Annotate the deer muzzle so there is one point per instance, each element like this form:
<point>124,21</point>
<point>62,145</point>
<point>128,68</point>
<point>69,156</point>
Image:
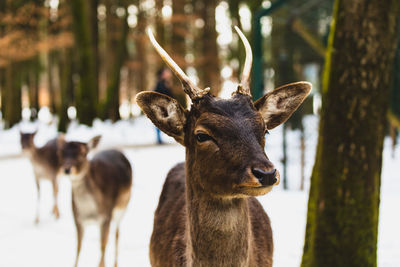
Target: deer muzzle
<point>265,177</point>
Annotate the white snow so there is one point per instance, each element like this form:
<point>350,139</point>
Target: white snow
<point>52,243</point>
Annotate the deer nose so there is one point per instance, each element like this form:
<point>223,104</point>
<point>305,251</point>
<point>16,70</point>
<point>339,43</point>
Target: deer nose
<point>265,177</point>
<point>67,170</point>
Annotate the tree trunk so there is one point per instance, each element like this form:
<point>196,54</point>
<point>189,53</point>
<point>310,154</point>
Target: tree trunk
<point>211,76</point>
<point>178,47</point>
<point>284,157</point>
<point>282,49</point>
<point>33,78</point>
<point>160,29</point>
<point>52,88</point>
<point>12,97</point>
<point>141,48</point>
<point>236,50</point>
<point>302,156</point>
<point>343,208</point>
<point>179,32</point>
<point>2,92</point>
<point>393,135</point>
<point>94,23</point>
<point>66,85</point>
<point>117,32</point>
<point>87,93</point>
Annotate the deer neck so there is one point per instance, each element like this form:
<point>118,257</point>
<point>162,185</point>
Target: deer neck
<point>219,228</point>
<point>79,182</point>
<point>33,153</point>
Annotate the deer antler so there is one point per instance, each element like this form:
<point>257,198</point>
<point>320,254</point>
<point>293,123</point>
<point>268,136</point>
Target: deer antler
<point>189,87</point>
<point>244,86</point>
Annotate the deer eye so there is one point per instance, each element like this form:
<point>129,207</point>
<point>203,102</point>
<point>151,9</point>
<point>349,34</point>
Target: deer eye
<point>202,137</point>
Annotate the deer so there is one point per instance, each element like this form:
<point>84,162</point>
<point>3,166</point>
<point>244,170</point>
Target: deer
<point>207,214</point>
<point>101,188</point>
<point>45,166</point>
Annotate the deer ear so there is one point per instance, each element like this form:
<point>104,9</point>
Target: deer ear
<point>94,142</point>
<point>165,112</point>
<point>277,106</point>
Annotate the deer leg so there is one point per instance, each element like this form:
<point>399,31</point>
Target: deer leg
<point>116,246</point>
<point>38,199</point>
<point>79,235</point>
<point>55,196</point>
<point>105,229</point>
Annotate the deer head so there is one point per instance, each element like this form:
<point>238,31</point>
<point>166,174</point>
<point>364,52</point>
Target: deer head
<point>26,140</point>
<point>73,156</point>
<point>224,138</point>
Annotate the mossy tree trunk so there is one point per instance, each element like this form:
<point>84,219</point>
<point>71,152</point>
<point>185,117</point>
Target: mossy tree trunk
<point>343,208</point>
<point>85,39</point>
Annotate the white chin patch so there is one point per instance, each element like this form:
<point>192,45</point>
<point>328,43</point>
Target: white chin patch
<point>73,176</point>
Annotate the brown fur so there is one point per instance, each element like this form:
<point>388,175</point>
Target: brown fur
<point>45,166</point>
<point>101,188</point>
<point>207,214</point>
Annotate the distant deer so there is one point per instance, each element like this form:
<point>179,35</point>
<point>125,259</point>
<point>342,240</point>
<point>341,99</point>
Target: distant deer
<point>101,188</point>
<point>45,166</point>
<point>207,214</point>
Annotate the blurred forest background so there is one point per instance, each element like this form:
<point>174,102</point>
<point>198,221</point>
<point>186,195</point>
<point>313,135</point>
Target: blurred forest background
<point>84,59</point>
<point>90,57</point>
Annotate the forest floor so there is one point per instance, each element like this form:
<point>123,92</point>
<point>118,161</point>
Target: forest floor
<point>53,243</point>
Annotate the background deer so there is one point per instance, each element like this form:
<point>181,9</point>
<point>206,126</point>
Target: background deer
<point>207,214</point>
<point>45,166</point>
<point>101,188</point>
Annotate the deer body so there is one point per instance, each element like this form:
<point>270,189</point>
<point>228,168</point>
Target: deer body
<point>207,214</point>
<point>104,188</point>
<point>45,166</point>
<point>101,189</point>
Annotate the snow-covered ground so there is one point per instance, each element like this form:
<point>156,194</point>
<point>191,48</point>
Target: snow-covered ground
<point>52,243</point>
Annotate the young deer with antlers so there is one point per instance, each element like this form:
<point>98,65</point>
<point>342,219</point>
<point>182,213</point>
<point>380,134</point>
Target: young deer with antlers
<point>101,188</point>
<point>45,166</point>
<point>207,214</point>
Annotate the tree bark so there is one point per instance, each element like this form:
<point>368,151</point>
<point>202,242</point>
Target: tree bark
<point>282,49</point>
<point>343,208</point>
<point>160,28</point>
<point>12,97</point>
<point>178,43</point>
<point>87,93</point>
<point>117,32</point>
<point>142,43</point>
<point>66,85</point>
<point>179,31</point>
<point>211,74</point>
<point>2,92</point>
<point>33,83</point>
<point>236,50</point>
